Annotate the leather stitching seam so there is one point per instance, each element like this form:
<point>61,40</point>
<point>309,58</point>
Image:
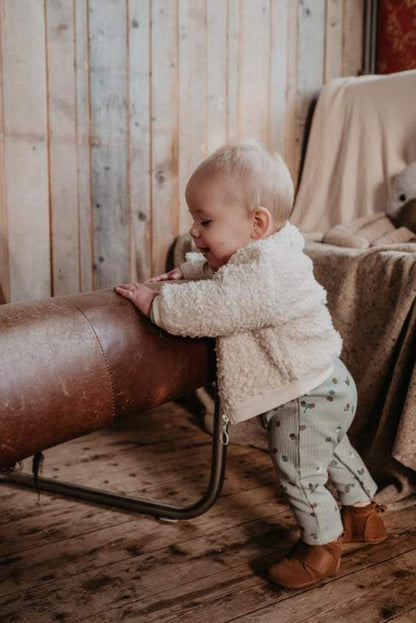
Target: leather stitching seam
<point>106,362</point>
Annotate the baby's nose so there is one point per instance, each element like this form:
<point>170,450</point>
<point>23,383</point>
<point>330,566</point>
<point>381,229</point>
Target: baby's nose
<point>194,231</point>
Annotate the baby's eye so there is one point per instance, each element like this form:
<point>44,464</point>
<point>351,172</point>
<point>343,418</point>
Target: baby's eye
<point>205,223</point>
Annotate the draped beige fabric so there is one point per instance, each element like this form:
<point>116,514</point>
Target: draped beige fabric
<point>363,133</point>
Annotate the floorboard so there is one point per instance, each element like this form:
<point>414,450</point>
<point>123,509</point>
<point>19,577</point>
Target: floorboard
<point>63,560</point>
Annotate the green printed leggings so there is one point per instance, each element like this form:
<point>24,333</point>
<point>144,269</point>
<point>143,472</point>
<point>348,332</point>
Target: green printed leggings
<point>308,444</point>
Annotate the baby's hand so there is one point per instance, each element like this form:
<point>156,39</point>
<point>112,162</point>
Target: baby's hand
<point>175,274</point>
<point>140,295</point>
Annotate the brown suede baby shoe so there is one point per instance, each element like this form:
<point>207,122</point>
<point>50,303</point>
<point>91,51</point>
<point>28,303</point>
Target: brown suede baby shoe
<point>363,524</point>
<point>306,565</point>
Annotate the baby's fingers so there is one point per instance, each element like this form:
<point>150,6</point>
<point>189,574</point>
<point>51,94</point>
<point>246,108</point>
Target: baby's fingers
<point>158,278</point>
<point>125,289</point>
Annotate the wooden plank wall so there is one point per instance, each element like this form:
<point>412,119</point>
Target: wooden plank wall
<point>107,105</point>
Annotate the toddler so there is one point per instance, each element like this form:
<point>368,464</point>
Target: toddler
<point>251,286</point>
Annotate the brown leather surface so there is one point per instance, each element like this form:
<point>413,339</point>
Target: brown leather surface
<point>70,365</point>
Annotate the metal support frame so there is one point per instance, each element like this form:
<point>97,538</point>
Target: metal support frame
<point>157,509</point>
<point>370,38</point>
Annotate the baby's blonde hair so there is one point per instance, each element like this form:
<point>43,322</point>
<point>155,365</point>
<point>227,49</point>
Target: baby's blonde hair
<point>264,177</point>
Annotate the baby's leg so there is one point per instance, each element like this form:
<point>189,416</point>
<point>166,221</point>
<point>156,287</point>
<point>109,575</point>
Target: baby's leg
<point>346,469</point>
<point>296,433</point>
<point>308,442</point>
<point>350,476</point>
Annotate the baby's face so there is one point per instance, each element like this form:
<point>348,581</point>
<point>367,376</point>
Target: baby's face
<point>221,224</point>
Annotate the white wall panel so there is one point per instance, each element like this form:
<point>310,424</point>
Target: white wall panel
<point>108,105</point>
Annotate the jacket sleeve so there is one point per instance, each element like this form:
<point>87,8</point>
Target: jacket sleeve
<point>196,267</point>
<point>233,301</point>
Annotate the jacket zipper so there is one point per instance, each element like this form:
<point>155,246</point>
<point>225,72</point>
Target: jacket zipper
<point>224,434</point>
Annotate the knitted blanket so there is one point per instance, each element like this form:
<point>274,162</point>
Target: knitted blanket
<point>372,298</point>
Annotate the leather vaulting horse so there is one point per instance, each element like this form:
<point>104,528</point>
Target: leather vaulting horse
<point>71,365</point>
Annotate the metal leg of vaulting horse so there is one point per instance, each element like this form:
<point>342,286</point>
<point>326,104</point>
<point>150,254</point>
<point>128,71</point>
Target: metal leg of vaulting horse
<point>158,509</point>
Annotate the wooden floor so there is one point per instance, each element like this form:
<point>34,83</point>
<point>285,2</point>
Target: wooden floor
<point>71,561</point>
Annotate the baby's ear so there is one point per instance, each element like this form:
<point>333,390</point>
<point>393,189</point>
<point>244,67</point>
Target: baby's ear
<point>261,222</point>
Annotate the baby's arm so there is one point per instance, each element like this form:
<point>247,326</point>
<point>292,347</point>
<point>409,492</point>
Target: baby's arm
<point>216,307</point>
<point>142,297</point>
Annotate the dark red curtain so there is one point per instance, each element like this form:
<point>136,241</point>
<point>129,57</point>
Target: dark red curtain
<point>396,36</point>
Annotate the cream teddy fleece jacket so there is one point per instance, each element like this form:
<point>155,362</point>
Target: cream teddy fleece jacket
<point>275,337</point>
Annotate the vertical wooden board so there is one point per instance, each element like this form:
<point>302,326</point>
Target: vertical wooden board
<point>237,68</point>
<point>216,75</point>
<point>164,130</point>
<point>311,26</point>
<point>311,38</point>
<point>233,63</point>
<point>62,146</point>
<point>109,92</point>
<point>333,39</point>
<point>192,101</point>
<point>82,77</point>
<point>139,144</point>
<point>253,75</point>
<point>26,157</point>
<point>4,256</point>
<point>352,37</point>
<point>291,140</point>
<point>277,74</point>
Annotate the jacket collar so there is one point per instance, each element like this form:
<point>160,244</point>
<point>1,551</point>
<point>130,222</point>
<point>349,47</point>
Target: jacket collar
<point>287,236</point>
